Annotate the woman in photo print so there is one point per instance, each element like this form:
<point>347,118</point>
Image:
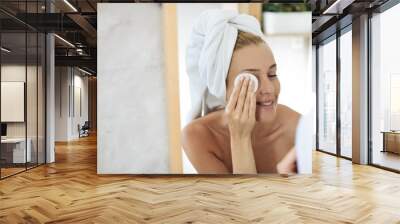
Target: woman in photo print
<point>236,124</point>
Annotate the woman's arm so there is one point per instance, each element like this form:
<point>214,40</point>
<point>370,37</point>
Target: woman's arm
<point>288,164</point>
<point>200,145</point>
<point>240,111</point>
<point>242,156</point>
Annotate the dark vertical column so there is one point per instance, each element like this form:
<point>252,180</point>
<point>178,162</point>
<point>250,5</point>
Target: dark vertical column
<point>317,94</point>
<point>338,81</point>
<point>45,89</point>
<point>369,96</point>
<point>26,86</point>
<point>1,165</point>
<point>37,88</point>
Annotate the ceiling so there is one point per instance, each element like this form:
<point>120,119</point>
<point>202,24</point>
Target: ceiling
<point>76,22</point>
<point>332,15</point>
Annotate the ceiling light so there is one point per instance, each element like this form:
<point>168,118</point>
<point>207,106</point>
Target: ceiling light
<point>5,50</point>
<point>84,71</point>
<point>65,41</point>
<point>70,5</point>
<point>337,7</point>
<point>331,7</point>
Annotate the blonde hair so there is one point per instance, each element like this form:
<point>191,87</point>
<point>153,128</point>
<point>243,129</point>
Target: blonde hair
<point>245,39</point>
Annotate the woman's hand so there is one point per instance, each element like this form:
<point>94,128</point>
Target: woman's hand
<point>288,164</point>
<point>241,108</point>
<point>241,120</point>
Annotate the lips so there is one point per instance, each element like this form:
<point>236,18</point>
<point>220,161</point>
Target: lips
<point>265,103</point>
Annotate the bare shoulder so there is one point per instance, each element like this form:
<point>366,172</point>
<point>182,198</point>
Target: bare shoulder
<point>288,116</point>
<point>202,145</point>
<point>194,130</point>
<point>287,112</point>
<point>198,134</point>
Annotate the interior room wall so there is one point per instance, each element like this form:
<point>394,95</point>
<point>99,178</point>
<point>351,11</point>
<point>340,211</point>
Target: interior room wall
<point>15,72</point>
<point>62,111</point>
<point>79,117</point>
<point>131,107</point>
<point>67,116</point>
<point>13,100</point>
<point>92,99</point>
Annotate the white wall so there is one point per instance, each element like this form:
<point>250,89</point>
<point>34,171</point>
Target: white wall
<point>289,36</point>
<point>13,93</point>
<point>61,103</point>
<point>80,83</point>
<point>131,101</point>
<point>66,121</point>
<point>11,73</point>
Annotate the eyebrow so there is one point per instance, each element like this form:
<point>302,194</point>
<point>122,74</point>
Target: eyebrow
<point>255,70</point>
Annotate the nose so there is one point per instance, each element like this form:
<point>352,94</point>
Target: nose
<point>265,86</point>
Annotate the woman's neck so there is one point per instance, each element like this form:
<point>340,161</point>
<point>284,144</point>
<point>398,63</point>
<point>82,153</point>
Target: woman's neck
<point>262,129</point>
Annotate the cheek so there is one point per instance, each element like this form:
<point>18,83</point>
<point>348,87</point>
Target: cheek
<point>229,86</point>
<point>277,86</point>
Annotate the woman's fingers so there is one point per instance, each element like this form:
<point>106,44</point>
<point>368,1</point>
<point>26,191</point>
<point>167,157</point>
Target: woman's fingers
<point>234,97</point>
<point>242,96</point>
<point>252,109</point>
<point>249,95</point>
<point>240,125</point>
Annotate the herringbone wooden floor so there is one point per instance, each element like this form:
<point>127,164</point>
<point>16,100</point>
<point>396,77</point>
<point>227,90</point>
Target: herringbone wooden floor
<point>70,191</point>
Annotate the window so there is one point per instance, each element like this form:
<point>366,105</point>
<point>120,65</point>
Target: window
<point>346,94</point>
<point>327,97</point>
<point>22,77</point>
<point>385,89</point>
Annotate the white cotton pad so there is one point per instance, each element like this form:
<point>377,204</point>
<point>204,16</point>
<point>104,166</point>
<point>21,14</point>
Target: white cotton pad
<point>252,78</point>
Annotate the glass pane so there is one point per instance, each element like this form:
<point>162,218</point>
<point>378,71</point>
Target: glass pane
<point>41,98</point>
<point>327,97</point>
<point>346,94</point>
<point>31,101</point>
<point>386,89</point>
<point>13,89</point>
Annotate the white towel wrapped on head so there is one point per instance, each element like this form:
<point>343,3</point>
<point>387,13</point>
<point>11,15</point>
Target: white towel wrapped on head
<point>208,56</point>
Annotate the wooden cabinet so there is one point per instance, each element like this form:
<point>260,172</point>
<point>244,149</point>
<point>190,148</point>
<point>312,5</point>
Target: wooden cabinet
<point>391,142</point>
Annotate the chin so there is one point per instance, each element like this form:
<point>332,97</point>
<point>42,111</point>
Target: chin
<point>265,116</point>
